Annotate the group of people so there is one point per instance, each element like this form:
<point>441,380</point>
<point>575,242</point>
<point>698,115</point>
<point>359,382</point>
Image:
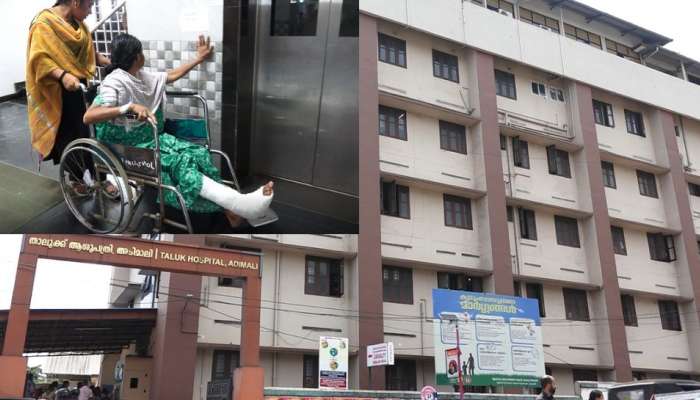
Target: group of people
<point>129,102</point>
<point>82,391</point>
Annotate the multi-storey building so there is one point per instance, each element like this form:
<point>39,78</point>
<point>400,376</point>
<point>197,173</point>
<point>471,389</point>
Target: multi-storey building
<point>542,149</point>
<point>537,148</point>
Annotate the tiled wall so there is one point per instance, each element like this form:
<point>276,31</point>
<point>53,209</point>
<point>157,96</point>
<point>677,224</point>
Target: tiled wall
<point>205,79</point>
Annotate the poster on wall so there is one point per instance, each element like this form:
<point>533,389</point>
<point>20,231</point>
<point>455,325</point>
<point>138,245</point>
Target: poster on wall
<point>333,363</point>
<point>500,338</point>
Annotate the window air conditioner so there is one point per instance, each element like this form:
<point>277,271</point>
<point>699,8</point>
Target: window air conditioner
<point>504,12</point>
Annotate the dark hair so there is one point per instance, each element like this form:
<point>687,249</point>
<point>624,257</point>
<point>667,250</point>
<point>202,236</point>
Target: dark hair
<point>545,380</point>
<point>595,394</point>
<point>59,2</point>
<point>125,50</point>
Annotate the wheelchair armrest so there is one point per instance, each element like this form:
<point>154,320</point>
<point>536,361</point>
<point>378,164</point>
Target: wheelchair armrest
<point>180,93</point>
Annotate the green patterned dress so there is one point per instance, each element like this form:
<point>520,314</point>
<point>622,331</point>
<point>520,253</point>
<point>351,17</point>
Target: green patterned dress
<point>182,163</point>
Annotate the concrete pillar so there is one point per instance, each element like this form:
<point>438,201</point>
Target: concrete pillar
<point>483,86</point>
<point>369,252</point>
<point>584,126</point>
<point>13,366</point>
<point>249,378</point>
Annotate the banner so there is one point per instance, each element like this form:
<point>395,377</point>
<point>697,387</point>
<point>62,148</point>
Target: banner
<point>500,339</point>
<point>333,363</point>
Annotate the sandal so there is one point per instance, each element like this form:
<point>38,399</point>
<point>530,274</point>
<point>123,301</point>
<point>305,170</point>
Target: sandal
<point>110,191</point>
<point>80,189</point>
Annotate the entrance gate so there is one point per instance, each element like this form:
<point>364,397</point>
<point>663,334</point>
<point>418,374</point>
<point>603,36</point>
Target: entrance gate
<point>175,257</point>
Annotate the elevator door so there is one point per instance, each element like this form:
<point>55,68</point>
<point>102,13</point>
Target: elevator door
<point>305,114</point>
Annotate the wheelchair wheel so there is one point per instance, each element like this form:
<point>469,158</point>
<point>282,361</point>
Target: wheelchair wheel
<point>95,187</point>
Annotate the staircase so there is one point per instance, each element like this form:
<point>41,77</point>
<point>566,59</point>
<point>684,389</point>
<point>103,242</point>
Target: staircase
<point>109,25</point>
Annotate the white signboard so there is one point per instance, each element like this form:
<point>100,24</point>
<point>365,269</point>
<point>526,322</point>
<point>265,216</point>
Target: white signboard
<point>380,354</point>
<point>500,339</point>
<point>333,363</point>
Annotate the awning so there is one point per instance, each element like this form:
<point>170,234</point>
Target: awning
<point>85,331</point>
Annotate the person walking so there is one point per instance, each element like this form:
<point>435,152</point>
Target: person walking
<point>549,386</point>
<point>60,56</point>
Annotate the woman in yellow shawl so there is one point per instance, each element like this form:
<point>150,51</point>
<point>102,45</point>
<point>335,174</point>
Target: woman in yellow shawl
<point>60,55</point>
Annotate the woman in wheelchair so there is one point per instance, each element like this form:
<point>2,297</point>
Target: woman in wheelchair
<point>128,91</point>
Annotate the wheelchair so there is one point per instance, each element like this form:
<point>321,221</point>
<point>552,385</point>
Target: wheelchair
<point>89,168</point>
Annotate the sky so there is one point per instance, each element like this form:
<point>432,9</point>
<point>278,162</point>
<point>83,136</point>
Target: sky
<point>676,19</point>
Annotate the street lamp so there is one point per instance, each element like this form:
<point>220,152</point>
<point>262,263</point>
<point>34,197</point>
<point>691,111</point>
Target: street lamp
<point>460,380</point>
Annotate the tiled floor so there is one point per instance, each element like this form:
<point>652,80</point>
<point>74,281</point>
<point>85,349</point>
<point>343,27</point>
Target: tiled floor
<point>15,149</point>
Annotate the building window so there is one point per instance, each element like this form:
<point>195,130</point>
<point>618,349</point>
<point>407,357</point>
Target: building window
<point>350,19</point>
<point>661,247</point>
<point>223,364</point>
<point>458,212</point>
<point>538,19</point>
<point>324,277</point>
<point>505,84</point>
<point>395,200</point>
<point>618,239</point>
<point>294,18</point>
<point>629,311</point>
<point>603,113</point>
<point>521,154</point>
<point>460,281</point>
<point>392,50</point>
<point>445,66</point>
<point>231,282</point>
<point>539,89</point>
<point>535,291</point>
<point>517,289</point>
<point>392,122</point>
<point>647,184</point>
<point>585,375</point>
<point>556,94</point>
<point>567,231</point>
<point>576,304</point>
<point>639,375</point>
<point>401,375</point>
<point>397,285</point>
<point>504,142</point>
<point>310,371</point>
<point>453,137</point>
<point>694,189</point>
<point>583,36</point>
<point>528,225</point>
<point>621,50</point>
<point>670,318</point>
<point>608,174</point>
<point>558,161</point>
<point>498,5</point>
<point>635,123</point>
<point>509,213</point>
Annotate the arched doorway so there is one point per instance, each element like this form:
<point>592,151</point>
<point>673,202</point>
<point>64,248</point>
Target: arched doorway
<point>187,255</point>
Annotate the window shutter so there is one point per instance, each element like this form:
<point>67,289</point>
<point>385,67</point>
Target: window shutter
<point>552,159</point>
<point>393,198</point>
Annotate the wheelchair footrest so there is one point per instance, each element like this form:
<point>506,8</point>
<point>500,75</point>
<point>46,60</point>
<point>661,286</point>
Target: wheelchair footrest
<point>269,217</point>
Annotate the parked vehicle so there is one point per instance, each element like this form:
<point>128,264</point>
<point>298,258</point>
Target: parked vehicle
<point>652,389</point>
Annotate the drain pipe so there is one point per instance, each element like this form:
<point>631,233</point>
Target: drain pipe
<point>685,142</point>
<point>516,242</point>
<point>422,344</point>
<point>274,319</point>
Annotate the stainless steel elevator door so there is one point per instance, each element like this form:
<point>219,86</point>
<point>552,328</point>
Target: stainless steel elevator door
<point>337,158</point>
<point>305,114</point>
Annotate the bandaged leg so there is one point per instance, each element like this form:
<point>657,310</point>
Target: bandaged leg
<point>248,206</point>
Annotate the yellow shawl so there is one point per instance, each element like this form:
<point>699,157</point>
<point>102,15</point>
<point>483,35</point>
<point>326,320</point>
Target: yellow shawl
<point>53,44</point>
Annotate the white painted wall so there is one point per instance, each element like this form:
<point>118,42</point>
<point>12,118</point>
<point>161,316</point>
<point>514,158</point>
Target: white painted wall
<point>637,272</point>
<point>175,19</point>
<point>472,25</point>
<point>14,27</point>
<point>416,80</point>
<point>424,238</point>
<point>420,156</point>
<point>626,203</point>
